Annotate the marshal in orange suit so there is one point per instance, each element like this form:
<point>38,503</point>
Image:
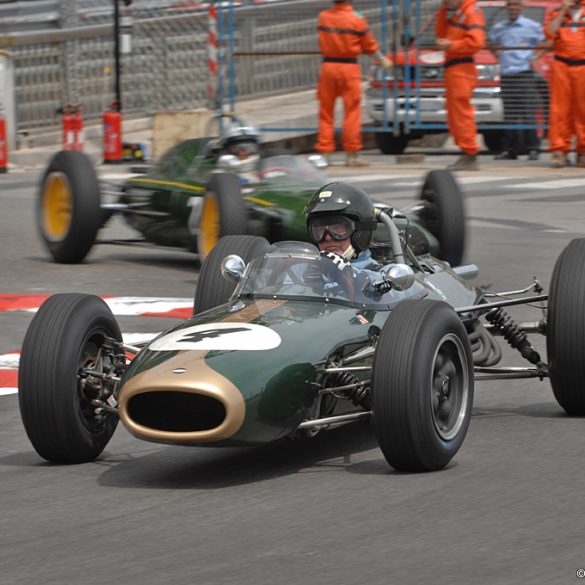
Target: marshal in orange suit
<point>343,36</point>
<point>566,28</point>
<point>460,31</point>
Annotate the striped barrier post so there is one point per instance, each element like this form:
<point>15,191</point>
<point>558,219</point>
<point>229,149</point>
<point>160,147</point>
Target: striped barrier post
<point>212,53</point>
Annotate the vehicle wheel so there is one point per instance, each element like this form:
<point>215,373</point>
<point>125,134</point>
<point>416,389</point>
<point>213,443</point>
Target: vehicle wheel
<point>390,144</point>
<point>422,386</point>
<point>68,210</point>
<point>565,338</point>
<point>223,213</point>
<point>212,288</point>
<point>444,214</point>
<point>66,334</point>
<point>494,140</point>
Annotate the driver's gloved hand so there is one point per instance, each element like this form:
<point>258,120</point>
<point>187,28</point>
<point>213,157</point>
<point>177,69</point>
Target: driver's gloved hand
<point>338,260</point>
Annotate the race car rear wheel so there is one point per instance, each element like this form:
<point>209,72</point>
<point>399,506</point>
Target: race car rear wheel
<point>212,288</point>
<point>223,213</point>
<point>565,338</point>
<point>66,334</point>
<point>444,214</point>
<point>68,210</point>
<point>422,386</point>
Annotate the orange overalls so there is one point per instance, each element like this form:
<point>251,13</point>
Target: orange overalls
<point>567,84</point>
<point>343,35</point>
<point>466,28</point>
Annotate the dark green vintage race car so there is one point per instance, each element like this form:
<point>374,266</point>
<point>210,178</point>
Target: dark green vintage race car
<point>284,343</point>
<point>196,194</point>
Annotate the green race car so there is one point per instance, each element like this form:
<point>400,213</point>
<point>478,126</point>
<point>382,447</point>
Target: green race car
<point>199,192</point>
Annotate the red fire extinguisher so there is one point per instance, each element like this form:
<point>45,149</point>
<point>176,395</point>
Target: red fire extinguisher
<point>113,135</point>
<point>68,128</point>
<point>3,146</point>
<point>77,126</point>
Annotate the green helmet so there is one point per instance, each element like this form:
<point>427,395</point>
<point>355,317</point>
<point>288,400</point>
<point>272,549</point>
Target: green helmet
<point>347,200</point>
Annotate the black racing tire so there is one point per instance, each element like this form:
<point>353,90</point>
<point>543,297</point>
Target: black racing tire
<point>65,334</point>
<point>565,337</point>
<point>68,207</point>
<point>444,214</point>
<point>388,143</point>
<point>422,386</point>
<point>223,213</point>
<point>494,140</point>
<point>212,288</point>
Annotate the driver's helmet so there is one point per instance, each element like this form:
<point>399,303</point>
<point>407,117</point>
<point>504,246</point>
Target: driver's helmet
<point>243,142</point>
<point>342,210</point>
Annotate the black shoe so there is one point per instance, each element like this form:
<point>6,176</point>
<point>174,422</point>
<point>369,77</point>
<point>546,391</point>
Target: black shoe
<point>506,156</point>
<point>533,155</point>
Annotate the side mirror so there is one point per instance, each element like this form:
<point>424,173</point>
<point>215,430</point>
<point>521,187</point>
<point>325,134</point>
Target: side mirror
<point>232,268</point>
<point>318,161</point>
<point>229,162</point>
<point>400,276</point>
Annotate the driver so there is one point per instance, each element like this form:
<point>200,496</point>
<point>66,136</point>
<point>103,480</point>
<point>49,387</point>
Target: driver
<point>341,220</point>
<point>242,142</point>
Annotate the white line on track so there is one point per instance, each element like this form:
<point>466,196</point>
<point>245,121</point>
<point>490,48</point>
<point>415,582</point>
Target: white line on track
<point>551,184</point>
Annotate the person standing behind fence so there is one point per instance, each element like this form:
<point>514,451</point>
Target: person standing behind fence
<point>566,28</point>
<point>460,31</point>
<point>518,80</point>
<point>343,36</point>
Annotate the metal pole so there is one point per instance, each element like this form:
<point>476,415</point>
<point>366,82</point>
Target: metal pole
<point>117,55</point>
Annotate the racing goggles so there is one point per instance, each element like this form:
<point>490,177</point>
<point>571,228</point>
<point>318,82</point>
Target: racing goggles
<point>338,227</point>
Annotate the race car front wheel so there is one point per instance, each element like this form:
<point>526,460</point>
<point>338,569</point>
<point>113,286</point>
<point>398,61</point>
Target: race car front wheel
<point>422,386</point>
<point>444,214</point>
<point>68,209</point>
<point>212,288</point>
<point>565,338</point>
<point>224,212</point>
<point>64,339</point>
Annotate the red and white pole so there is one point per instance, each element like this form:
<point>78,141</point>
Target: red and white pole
<point>3,145</point>
<point>212,58</point>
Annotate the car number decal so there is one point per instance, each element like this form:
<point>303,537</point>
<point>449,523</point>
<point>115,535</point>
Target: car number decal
<point>219,336</point>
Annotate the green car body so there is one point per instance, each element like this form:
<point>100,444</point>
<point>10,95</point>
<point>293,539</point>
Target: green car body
<point>189,200</point>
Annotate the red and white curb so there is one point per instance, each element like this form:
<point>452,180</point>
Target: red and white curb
<point>179,308</point>
<point>9,362</point>
<point>175,308</point>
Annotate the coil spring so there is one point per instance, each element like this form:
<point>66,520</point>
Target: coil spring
<point>513,334</point>
<point>360,395</point>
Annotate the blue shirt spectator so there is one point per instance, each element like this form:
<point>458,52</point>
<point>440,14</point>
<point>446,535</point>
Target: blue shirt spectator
<point>521,32</point>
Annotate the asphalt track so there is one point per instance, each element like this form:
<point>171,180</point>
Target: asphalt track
<point>509,509</point>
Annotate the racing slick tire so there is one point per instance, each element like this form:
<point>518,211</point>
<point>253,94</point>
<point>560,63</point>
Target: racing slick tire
<point>388,143</point>
<point>565,337</point>
<point>68,207</point>
<point>444,214</point>
<point>66,334</point>
<point>422,386</point>
<point>212,288</point>
<point>223,212</point>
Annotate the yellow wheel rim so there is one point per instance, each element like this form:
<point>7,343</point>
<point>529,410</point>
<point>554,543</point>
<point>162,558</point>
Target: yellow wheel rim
<point>56,206</point>
<point>210,225</point>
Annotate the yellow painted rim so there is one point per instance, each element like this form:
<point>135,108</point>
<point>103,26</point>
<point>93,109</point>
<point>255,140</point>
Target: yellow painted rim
<point>56,206</point>
<point>209,227</point>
